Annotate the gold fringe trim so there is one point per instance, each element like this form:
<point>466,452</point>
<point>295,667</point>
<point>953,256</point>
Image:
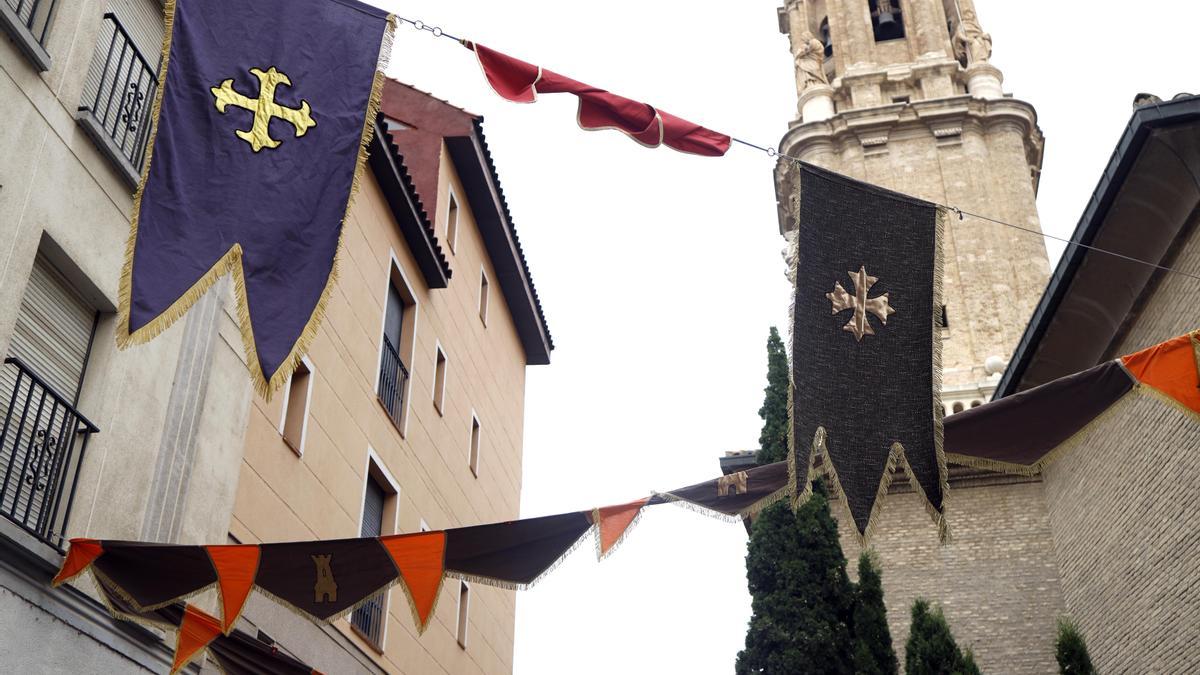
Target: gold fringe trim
<point>896,459</point>
<point>941,223</point>
<point>231,262</point>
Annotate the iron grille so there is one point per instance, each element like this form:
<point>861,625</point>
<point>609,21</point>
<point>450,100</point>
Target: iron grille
<point>393,377</point>
<point>121,91</point>
<point>39,436</point>
<point>34,15</point>
<point>368,620</point>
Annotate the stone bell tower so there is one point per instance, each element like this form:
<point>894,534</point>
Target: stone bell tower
<point>901,93</point>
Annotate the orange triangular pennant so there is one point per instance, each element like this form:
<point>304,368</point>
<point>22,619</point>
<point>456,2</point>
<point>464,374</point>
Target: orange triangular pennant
<point>420,560</point>
<point>613,521</point>
<point>1172,368</point>
<point>82,553</point>
<point>236,567</point>
<point>196,631</point>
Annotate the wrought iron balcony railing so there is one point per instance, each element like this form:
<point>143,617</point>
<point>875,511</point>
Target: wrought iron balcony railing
<point>119,94</point>
<point>42,442</point>
<point>393,378</point>
<point>367,620</point>
<point>34,15</point>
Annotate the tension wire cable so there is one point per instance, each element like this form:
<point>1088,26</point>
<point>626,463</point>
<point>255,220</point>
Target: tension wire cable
<point>771,151</point>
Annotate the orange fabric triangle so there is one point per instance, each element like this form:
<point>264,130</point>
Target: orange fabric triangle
<point>420,559</point>
<point>614,520</point>
<point>236,566</point>
<point>196,631</point>
<point>1171,368</point>
<point>80,556</point>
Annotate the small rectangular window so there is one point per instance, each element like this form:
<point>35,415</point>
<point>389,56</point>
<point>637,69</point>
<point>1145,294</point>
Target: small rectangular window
<point>483,296</point>
<point>439,380</point>
<point>475,434</point>
<point>452,223</point>
<point>295,407</point>
<point>464,603</point>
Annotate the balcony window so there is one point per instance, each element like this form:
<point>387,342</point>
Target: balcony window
<point>399,336</point>
<point>42,434</point>
<point>28,22</point>
<point>379,503</point>
<point>120,89</point>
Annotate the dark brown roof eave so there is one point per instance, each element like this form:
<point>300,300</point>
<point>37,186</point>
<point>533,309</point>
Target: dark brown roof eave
<point>388,166</point>
<point>1143,123</point>
<point>473,162</point>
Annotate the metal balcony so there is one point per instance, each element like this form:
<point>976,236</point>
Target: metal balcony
<point>118,97</point>
<point>42,442</point>
<point>393,378</point>
<point>28,21</point>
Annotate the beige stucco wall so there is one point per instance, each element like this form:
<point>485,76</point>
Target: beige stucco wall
<point>319,495</point>
<point>59,192</point>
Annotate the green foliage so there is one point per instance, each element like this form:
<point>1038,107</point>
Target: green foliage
<point>873,653</point>
<point>803,600</point>
<point>1071,651</point>
<point>931,649</point>
<point>968,664</point>
<point>773,441</point>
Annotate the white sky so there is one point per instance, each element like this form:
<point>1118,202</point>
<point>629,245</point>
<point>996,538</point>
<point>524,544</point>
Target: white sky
<point>660,272</point>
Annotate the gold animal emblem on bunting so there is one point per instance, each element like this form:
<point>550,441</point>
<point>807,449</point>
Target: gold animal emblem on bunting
<point>733,484</point>
<point>860,303</point>
<point>325,590</point>
<point>264,108</point>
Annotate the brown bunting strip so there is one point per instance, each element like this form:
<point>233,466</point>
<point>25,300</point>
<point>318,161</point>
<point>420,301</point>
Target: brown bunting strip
<point>514,554</point>
<point>327,579</point>
<point>1020,433</point>
<point>737,495</point>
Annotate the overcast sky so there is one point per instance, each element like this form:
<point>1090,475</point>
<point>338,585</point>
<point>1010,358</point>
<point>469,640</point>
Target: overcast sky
<point>660,272</point>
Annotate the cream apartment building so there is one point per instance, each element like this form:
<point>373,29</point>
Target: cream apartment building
<point>407,414</point>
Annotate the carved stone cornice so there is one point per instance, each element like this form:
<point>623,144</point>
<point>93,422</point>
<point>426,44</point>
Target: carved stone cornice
<point>943,120</point>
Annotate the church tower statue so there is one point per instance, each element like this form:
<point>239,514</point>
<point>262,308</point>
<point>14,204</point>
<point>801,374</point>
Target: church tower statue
<point>902,93</point>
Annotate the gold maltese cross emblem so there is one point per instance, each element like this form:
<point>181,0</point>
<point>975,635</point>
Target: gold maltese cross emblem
<point>860,303</point>
<point>264,108</point>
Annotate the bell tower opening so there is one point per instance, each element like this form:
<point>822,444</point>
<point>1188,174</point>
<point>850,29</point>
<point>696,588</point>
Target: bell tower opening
<point>887,23</point>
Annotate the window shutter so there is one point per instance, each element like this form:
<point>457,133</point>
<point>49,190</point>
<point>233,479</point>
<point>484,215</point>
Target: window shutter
<point>53,330</point>
<point>372,522</point>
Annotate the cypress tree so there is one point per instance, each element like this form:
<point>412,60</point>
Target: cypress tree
<point>1071,651</point>
<point>931,649</point>
<point>873,653</point>
<point>773,441</point>
<point>802,598</point>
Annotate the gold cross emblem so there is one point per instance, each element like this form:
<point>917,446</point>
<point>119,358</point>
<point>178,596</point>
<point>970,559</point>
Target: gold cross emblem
<point>264,108</point>
<point>860,303</point>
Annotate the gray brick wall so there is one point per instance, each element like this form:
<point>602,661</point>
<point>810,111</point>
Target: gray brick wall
<point>1124,504</point>
<point>997,581</point>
